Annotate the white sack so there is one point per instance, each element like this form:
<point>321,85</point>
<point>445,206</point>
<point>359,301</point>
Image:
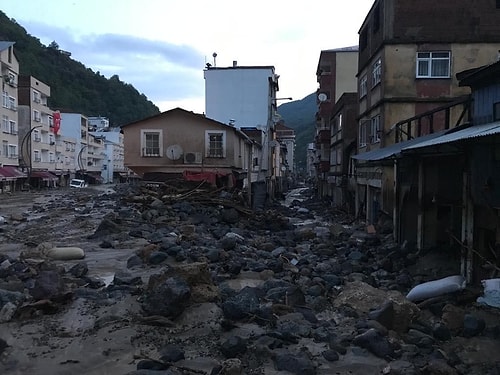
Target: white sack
<point>491,293</point>
<point>65,253</point>
<point>436,288</point>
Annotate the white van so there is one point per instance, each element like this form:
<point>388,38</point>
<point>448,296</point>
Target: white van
<point>77,183</point>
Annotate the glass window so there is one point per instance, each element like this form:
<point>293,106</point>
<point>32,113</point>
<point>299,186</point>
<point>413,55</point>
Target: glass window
<point>433,64</point>
<point>375,129</point>
<point>215,145</point>
<point>151,143</point>
<point>363,86</point>
<point>377,73</point>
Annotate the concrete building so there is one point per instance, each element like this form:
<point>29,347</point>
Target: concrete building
<point>335,121</point>
<point>245,97</point>
<point>408,59</point>
<point>89,148</point>
<point>38,146</point>
<point>11,178</point>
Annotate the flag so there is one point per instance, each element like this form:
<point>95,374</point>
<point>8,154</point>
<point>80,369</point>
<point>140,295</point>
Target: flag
<point>56,117</point>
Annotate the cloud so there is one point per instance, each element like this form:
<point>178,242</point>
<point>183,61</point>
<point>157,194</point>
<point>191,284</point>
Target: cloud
<point>163,71</point>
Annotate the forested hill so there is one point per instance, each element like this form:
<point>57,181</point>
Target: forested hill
<point>300,116</point>
<point>74,87</point>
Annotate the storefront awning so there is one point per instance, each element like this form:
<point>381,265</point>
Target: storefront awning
<point>11,173</point>
<point>460,135</point>
<point>44,176</point>
<point>394,151</point>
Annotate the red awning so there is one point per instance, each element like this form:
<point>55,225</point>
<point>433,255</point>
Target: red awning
<point>44,175</point>
<point>11,173</point>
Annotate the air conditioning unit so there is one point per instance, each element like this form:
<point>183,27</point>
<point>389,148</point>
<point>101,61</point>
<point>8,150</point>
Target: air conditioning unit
<point>192,158</point>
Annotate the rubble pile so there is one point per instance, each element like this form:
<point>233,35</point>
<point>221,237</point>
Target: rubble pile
<point>182,279</point>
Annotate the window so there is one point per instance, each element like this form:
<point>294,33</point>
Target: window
<point>5,148</point>
<point>12,152</point>
<point>215,143</point>
<point>340,122</point>
<point>151,143</point>
<point>36,155</point>
<point>376,73</point>
<point>375,129</point>
<point>37,97</point>
<point>433,64</point>
<point>12,127</point>
<point>362,133</point>
<point>36,116</point>
<point>363,86</point>
<point>52,158</point>
<point>5,99</point>
<point>5,123</point>
<point>12,103</point>
<point>36,136</point>
<point>496,111</point>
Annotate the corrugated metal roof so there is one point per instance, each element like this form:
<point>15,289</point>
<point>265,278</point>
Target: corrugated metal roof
<point>468,133</point>
<point>394,150</point>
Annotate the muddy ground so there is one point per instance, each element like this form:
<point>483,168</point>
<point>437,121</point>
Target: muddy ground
<point>96,322</point>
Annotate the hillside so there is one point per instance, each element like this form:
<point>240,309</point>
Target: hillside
<point>75,87</point>
<point>300,116</point>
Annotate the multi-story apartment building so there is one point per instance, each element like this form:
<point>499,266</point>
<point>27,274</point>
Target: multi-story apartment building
<point>245,97</point>
<point>409,54</point>
<point>113,168</point>
<point>335,119</point>
<point>38,148</point>
<point>11,177</point>
<point>89,148</point>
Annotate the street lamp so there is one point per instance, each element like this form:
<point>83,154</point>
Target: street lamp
<point>24,146</point>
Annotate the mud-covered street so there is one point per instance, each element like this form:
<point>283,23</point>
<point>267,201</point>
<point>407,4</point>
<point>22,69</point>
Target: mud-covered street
<point>165,280</point>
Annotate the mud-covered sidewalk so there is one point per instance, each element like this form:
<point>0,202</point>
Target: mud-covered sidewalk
<point>176,281</point>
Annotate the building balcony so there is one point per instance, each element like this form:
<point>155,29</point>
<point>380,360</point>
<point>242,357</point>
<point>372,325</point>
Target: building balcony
<point>323,136</point>
<point>324,166</point>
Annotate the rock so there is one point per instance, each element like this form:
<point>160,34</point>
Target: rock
<point>79,270</point>
<point>453,317</point>
<point>167,298</point>
<point>330,355</point>
<point>7,296</point>
<point>134,261</point>
<point>374,342</point>
<point>7,312</point>
<point>47,285</point>
<point>125,278</point>
<point>384,315</point>
<point>149,364</point>
<point>439,367</point>
<point>298,364</point>
<point>157,257</point>
<point>232,366</point>
<point>171,353</point>
<point>473,326</point>
<point>242,305</point>
<point>230,216</point>
<point>363,298</point>
<point>441,332</point>
<point>233,347</point>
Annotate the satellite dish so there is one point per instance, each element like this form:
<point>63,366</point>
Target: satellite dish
<point>322,97</point>
<point>174,152</point>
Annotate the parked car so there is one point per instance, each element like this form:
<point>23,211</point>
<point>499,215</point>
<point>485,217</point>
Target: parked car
<point>77,183</point>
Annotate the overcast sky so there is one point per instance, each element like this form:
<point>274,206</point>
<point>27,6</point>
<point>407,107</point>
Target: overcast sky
<point>161,46</point>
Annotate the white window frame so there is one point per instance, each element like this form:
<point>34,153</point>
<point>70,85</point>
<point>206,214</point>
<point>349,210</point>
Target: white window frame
<point>363,86</point>
<point>375,129</point>
<point>12,103</point>
<point>37,97</point>
<point>5,123</point>
<point>376,72</point>
<point>428,59</point>
<point>36,135</point>
<point>36,116</point>
<point>5,99</point>
<point>5,148</point>
<point>37,157</point>
<point>12,154</point>
<point>145,133</point>
<point>12,127</point>
<point>210,153</point>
